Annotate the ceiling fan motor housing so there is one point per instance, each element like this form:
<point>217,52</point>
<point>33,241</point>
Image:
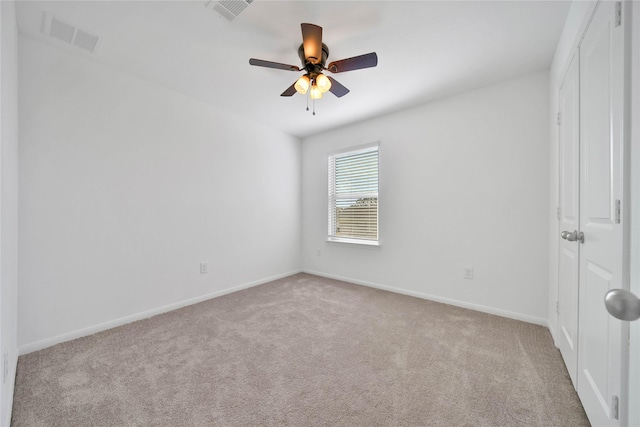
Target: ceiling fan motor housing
<point>312,66</point>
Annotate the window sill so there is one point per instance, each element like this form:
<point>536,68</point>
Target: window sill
<point>358,242</point>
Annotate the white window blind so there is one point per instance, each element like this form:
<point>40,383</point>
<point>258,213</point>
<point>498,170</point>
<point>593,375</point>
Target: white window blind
<point>353,194</point>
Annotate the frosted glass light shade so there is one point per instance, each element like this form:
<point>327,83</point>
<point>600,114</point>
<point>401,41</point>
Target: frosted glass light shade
<point>316,92</point>
<point>323,83</point>
<point>302,85</point>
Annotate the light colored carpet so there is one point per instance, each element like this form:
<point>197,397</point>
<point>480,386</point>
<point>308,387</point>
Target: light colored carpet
<point>303,351</point>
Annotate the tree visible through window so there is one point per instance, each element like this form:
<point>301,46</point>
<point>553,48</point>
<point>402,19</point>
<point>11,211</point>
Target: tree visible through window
<point>353,194</point>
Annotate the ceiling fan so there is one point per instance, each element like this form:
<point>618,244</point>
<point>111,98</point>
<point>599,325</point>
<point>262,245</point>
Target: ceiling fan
<point>313,54</point>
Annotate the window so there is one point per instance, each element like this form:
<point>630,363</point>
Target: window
<point>353,195</point>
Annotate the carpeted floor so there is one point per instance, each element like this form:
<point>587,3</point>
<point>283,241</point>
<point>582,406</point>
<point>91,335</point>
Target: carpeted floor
<point>303,351</point>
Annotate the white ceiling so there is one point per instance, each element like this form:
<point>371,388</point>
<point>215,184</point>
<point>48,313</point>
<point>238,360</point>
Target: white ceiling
<point>426,50</point>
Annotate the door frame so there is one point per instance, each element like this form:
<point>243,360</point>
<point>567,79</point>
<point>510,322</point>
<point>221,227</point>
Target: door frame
<point>633,211</point>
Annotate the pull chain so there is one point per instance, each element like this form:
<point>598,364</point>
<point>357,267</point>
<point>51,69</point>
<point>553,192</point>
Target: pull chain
<point>314,107</point>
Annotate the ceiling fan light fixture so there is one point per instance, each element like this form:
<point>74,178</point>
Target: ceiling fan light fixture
<point>323,83</point>
<point>302,85</point>
<point>316,92</point>
<point>313,55</point>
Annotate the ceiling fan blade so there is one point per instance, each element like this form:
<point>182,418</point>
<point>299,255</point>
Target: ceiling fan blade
<point>270,64</point>
<point>291,90</point>
<point>312,42</point>
<point>336,88</point>
<point>367,60</point>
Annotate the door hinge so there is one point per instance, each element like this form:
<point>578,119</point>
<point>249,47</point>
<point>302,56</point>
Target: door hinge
<point>558,119</point>
<point>557,307</point>
<point>615,407</point>
<point>558,213</point>
<point>617,212</point>
<point>618,13</point>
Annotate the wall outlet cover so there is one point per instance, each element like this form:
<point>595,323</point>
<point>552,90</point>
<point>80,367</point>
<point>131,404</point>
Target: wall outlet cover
<point>204,267</point>
<point>468,272</point>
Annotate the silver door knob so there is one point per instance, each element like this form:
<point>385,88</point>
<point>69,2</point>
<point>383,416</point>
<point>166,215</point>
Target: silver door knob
<point>573,236</point>
<point>567,235</point>
<point>622,304</point>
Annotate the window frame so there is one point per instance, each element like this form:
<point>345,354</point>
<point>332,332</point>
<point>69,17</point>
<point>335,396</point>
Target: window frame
<point>374,146</point>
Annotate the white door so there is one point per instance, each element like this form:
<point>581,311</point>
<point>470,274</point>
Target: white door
<point>601,254</point>
<point>568,253</point>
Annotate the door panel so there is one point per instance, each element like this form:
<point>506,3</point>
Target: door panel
<point>569,140</point>
<point>596,159</point>
<point>568,310</point>
<point>597,282</point>
<point>600,257</point>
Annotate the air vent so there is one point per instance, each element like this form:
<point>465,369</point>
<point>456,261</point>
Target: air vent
<point>230,9</point>
<point>69,34</point>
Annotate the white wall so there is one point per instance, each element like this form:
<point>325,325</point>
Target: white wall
<point>125,187</point>
<point>463,182</point>
<point>8,204</point>
<point>574,27</point>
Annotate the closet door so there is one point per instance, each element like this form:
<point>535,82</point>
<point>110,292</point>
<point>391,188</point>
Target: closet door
<point>569,215</point>
<point>601,252</point>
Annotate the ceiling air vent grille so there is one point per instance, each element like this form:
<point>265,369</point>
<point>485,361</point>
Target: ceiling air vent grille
<point>230,9</point>
<point>69,34</point>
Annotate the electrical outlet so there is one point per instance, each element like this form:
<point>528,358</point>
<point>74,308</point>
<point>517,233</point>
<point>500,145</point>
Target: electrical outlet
<point>468,272</point>
<point>318,252</point>
<point>204,267</point>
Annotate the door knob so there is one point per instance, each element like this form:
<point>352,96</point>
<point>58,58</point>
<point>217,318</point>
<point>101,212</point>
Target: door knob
<point>567,235</point>
<point>573,236</point>
<point>622,304</point>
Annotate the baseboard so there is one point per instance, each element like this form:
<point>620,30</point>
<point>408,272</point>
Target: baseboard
<point>10,388</point>
<point>39,345</point>
<point>552,331</point>
<point>450,301</point>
